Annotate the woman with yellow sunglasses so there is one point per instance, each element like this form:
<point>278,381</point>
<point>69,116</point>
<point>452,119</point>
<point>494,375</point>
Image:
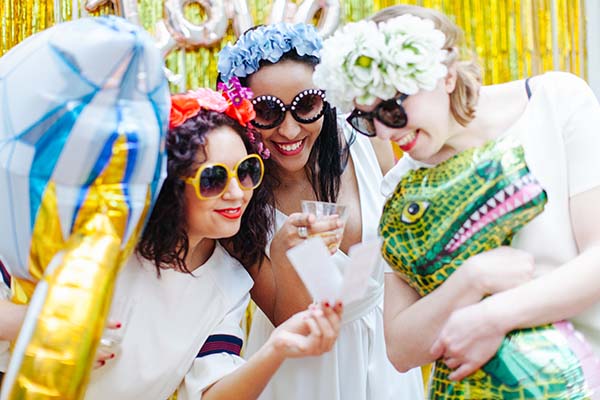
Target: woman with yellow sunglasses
<point>186,294</point>
<point>184,333</point>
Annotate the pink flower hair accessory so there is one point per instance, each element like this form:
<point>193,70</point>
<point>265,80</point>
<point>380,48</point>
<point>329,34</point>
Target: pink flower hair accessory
<point>235,91</point>
<point>232,100</point>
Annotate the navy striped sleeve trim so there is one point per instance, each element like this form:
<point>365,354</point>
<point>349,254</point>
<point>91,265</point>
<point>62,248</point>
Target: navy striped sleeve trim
<point>221,344</point>
<point>4,274</point>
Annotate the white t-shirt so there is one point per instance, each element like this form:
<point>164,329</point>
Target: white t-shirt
<point>183,332</point>
<point>560,132</point>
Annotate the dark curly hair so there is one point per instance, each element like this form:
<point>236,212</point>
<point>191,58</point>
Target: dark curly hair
<point>329,155</point>
<point>165,240</point>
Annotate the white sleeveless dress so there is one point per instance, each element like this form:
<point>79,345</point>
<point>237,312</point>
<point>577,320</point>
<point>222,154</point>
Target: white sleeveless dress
<point>357,368</point>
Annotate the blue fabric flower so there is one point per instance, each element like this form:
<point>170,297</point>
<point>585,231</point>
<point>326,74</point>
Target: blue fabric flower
<point>268,42</point>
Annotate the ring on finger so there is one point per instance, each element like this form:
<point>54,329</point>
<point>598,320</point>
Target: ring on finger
<point>302,232</point>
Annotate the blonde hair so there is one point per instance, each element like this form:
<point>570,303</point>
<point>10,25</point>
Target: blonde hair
<point>463,100</point>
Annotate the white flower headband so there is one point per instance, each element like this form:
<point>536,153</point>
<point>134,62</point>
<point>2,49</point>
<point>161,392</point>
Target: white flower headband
<point>364,61</point>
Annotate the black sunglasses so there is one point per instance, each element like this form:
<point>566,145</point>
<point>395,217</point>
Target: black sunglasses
<point>308,106</point>
<point>389,112</point>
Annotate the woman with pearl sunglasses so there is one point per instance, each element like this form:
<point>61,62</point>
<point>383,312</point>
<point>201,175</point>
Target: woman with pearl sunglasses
<point>314,156</point>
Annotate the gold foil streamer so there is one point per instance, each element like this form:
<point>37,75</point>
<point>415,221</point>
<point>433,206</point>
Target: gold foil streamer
<point>544,25</point>
<point>22,18</point>
<point>65,10</point>
<point>512,38</point>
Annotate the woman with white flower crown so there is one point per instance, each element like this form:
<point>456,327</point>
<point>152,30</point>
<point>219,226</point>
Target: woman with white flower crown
<point>311,159</point>
<point>401,74</point>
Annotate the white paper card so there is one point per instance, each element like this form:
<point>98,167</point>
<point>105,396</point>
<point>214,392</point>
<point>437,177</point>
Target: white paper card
<point>363,258</point>
<point>313,263</point>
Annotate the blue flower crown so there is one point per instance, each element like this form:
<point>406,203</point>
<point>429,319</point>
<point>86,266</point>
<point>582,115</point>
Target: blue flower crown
<point>267,42</point>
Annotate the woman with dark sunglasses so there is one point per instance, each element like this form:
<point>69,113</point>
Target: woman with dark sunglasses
<point>434,106</point>
<point>312,159</point>
<point>195,292</point>
<point>188,296</point>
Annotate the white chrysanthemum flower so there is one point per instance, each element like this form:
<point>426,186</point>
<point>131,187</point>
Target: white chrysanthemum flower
<point>350,65</point>
<point>362,62</point>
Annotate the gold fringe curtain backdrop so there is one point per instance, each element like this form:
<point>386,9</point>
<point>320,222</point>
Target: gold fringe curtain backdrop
<point>512,38</point>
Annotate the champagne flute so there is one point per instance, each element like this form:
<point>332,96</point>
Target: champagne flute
<point>321,209</point>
